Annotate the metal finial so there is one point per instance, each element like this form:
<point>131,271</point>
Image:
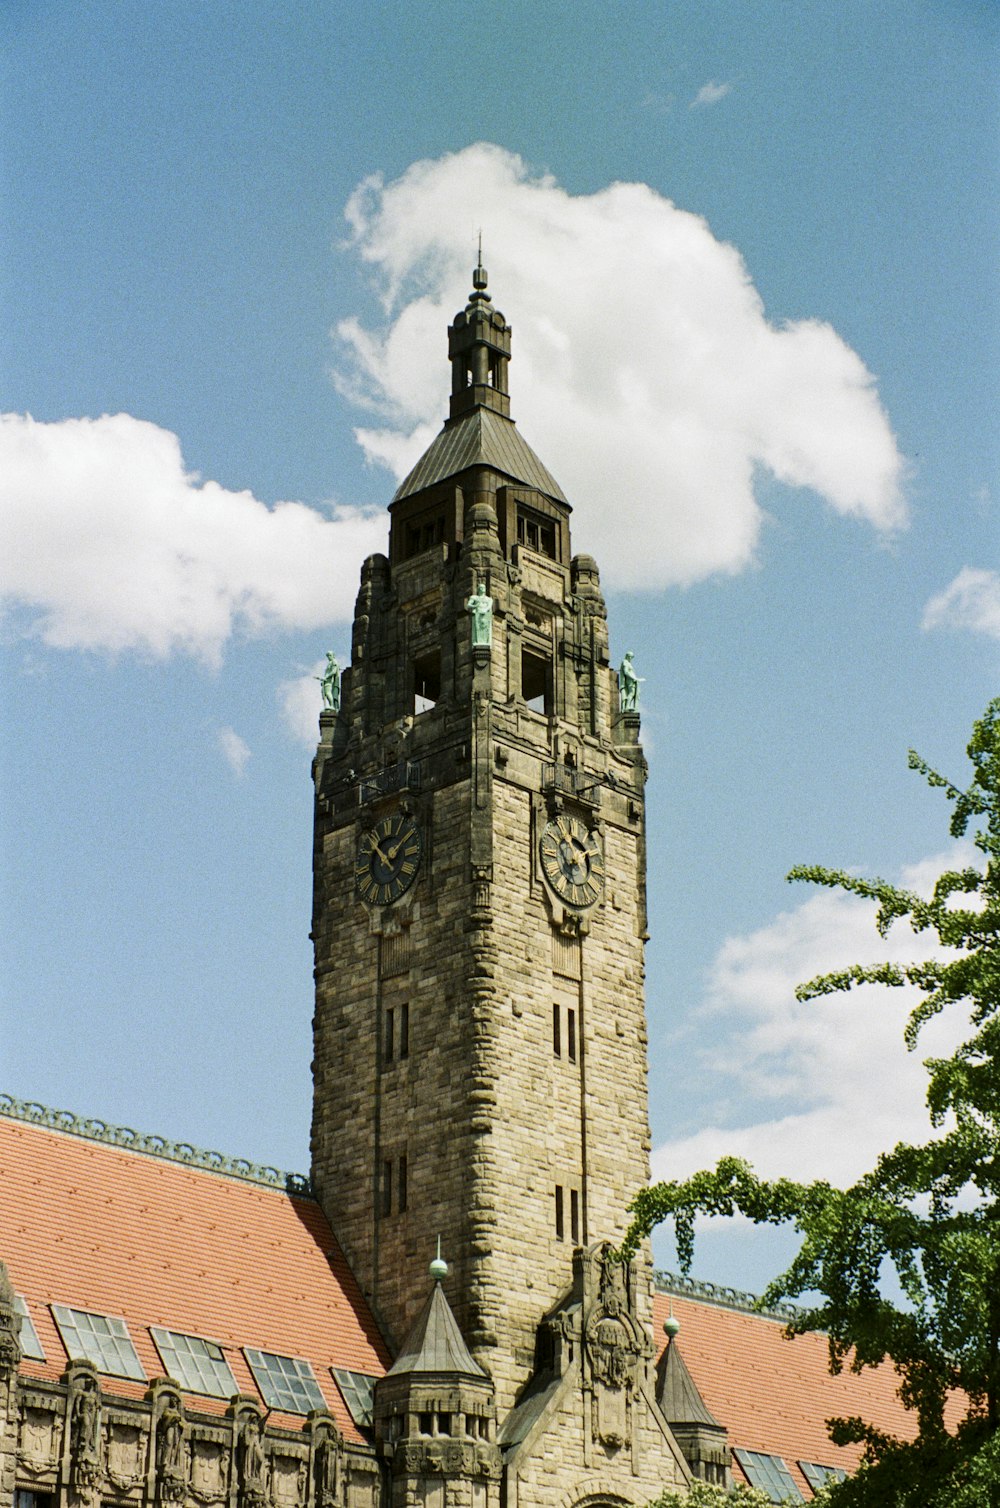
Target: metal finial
<point>479,274</point>
<point>671,1325</point>
<point>439,1267</point>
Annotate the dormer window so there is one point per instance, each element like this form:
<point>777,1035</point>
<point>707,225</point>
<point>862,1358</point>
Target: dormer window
<point>101,1339</point>
<point>536,532</point>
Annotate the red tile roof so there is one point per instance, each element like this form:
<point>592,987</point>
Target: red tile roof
<point>774,1394</point>
<point>120,1233</point>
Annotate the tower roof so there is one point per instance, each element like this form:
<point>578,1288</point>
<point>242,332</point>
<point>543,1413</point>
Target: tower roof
<point>677,1393</point>
<point>479,430</point>
<point>435,1343</point>
<point>480,438</point>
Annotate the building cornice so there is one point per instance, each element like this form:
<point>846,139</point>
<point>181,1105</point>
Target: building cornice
<point>91,1129</point>
<point>726,1298</point>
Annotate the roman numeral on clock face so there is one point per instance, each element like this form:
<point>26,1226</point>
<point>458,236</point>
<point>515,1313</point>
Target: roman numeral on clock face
<point>387,859</point>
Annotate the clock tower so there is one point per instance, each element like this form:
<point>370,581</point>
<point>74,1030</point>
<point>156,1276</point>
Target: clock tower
<point>479,912</point>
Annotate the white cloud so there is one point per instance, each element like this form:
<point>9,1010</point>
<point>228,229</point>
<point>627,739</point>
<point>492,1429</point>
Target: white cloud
<point>108,543</point>
<point>710,94</point>
<point>235,752</point>
<point>645,372</point>
<point>650,380</point>
<point>813,1089</point>
<point>971,601</point>
<point>301,701</point>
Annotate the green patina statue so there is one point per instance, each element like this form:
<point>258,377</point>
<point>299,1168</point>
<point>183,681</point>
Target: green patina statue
<point>480,605</point>
<point>330,683</point>
<point>628,684</point>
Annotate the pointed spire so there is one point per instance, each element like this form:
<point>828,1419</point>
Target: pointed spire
<point>479,278</point>
<point>677,1392</point>
<point>435,1343</point>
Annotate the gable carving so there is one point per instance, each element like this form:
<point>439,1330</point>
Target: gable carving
<point>616,1347</point>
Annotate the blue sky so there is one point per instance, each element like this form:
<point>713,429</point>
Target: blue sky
<point>765,375</point>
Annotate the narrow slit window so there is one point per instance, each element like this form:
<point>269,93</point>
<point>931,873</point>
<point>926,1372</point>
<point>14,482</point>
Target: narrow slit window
<point>556,1031</point>
<point>401,1193</point>
<point>404,1030</point>
<point>388,1042</point>
<point>574,1216</point>
<point>571,1035</point>
<point>387,1187</point>
<point>560,1226</point>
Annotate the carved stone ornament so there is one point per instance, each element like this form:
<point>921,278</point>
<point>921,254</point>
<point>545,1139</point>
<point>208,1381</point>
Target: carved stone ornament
<point>326,1462</point>
<point>288,1479</point>
<point>250,1460</point>
<point>10,1325</point>
<point>615,1347</point>
<point>171,1449</point>
<point>124,1463</point>
<point>209,1471</point>
<point>36,1450</point>
<point>84,1406</point>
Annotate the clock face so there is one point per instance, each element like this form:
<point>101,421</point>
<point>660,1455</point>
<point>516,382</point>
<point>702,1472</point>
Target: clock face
<point>572,860</point>
<point>387,860</point>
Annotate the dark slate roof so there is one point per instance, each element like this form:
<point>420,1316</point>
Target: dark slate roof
<point>677,1394</point>
<point>435,1343</point>
<point>525,1414</point>
<point>480,438</point>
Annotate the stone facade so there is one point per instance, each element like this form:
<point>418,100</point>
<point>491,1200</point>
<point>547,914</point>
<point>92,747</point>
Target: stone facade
<point>78,1444</point>
<point>480,1046</point>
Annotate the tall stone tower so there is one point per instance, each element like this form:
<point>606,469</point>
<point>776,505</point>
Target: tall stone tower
<point>479,913</point>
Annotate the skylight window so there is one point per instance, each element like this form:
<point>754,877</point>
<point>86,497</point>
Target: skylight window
<point>770,1474</point>
<point>30,1344</point>
<point>359,1394</point>
<point>285,1382</point>
<point>818,1476</point>
<point>198,1365</point>
<point>98,1338</point>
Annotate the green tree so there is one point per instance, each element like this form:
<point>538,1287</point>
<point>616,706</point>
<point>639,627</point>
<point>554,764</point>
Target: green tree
<point>930,1214</point>
<point>705,1495</point>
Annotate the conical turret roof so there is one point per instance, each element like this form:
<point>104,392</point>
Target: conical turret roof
<point>677,1394</point>
<point>435,1343</point>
